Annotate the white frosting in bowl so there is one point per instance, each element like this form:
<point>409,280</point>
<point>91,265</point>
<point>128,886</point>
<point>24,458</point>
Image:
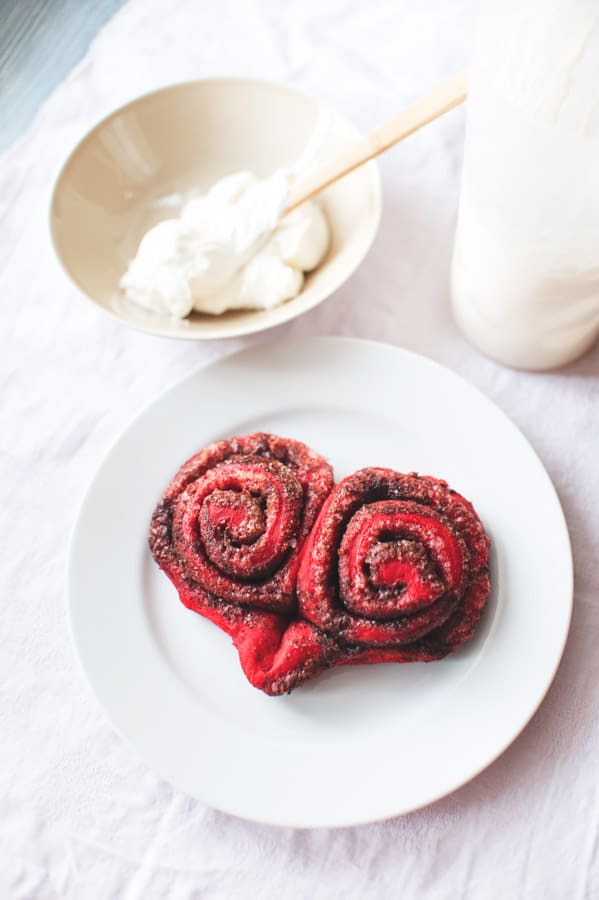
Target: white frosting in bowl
<point>230,248</point>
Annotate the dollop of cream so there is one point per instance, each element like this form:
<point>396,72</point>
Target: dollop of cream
<point>231,248</point>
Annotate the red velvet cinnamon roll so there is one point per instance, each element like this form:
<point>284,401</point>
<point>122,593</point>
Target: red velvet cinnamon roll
<point>228,532</point>
<point>396,568</point>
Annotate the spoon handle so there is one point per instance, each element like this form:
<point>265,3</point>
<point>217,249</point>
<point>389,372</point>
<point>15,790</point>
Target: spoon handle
<point>443,98</point>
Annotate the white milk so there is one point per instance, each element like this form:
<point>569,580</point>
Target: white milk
<point>525,274</point>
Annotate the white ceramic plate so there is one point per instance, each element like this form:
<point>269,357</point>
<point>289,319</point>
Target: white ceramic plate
<point>356,744</point>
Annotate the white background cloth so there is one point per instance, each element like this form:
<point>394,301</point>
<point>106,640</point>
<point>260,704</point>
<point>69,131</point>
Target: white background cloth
<point>81,816</point>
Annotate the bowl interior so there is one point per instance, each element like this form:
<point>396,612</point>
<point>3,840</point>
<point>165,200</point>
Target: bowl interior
<point>134,168</point>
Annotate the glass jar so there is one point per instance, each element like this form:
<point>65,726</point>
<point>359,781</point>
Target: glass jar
<point>525,272</point>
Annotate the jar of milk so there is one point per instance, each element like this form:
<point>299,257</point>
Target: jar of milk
<point>525,273</point>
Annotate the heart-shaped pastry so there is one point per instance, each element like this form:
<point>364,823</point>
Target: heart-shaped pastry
<point>304,575</point>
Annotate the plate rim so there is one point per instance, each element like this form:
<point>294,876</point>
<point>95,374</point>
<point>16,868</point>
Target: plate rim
<point>329,821</point>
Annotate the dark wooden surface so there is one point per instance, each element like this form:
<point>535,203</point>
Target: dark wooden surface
<point>40,42</point>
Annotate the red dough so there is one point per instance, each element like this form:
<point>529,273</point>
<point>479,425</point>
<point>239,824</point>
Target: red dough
<point>228,533</point>
<point>396,568</point>
<point>384,567</point>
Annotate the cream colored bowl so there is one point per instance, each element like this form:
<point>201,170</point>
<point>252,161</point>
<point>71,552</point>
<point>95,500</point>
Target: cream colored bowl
<point>130,170</point>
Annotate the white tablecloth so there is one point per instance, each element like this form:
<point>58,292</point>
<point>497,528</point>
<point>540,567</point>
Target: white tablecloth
<point>81,816</point>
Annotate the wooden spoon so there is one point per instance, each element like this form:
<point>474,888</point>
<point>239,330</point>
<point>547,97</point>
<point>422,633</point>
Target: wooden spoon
<point>445,97</point>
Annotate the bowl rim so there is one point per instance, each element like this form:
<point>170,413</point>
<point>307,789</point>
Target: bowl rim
<point>285,311</point>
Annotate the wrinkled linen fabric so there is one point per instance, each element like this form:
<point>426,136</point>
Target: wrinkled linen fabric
<point>81,815</point>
